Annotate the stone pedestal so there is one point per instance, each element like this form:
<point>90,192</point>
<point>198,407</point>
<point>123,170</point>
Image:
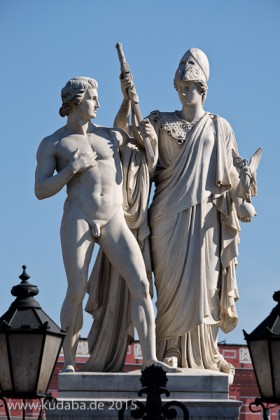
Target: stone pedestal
<point>100,395</point>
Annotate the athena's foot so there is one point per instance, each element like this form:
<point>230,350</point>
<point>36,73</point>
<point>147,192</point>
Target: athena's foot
<point>171,361</point>
<point>164,366</point>
<point>227,368</point>
<point>68,369</point>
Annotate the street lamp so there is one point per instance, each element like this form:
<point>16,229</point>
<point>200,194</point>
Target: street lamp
<point>30,343</point>
<point>264,348</point>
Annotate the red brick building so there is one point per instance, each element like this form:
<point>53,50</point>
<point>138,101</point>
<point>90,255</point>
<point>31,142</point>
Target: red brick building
<point>243,389</point>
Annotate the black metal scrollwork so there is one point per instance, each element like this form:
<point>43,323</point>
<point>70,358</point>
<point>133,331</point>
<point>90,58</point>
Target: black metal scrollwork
<point>153,380</point>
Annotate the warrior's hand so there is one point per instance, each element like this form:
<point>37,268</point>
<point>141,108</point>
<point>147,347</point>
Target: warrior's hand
<point>82,161</point>
<point>126,85</point>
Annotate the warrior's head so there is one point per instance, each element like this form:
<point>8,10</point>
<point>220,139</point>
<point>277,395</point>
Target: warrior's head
<point>74,91</point>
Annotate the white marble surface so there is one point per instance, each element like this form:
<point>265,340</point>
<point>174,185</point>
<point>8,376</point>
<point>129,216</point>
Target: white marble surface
<point>192,383</point>
<point>100,395</point>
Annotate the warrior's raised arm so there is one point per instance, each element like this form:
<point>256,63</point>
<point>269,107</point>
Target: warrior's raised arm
<point>141,128</point>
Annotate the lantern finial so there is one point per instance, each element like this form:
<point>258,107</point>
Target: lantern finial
<point>24,276</point>
<point>276,296</point>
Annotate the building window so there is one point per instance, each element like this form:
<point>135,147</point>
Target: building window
<point>244,355</point>
<point>229,354</point>
<point>137,351</point>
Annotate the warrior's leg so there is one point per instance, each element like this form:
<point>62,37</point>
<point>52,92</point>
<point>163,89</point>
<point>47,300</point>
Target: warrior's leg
<point>123,251</point>
<point>77,245</point>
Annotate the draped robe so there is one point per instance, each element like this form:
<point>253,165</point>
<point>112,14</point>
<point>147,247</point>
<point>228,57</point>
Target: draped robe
<point>194,238</point>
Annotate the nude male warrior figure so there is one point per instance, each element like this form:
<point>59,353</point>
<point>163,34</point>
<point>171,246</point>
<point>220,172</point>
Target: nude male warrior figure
<point>86,159</point>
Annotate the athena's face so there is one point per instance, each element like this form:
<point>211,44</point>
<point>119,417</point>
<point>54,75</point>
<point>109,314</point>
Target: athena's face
<point>188,92</point>
<point>89,104</point>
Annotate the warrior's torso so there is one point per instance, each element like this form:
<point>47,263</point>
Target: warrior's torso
<point>98,190</point>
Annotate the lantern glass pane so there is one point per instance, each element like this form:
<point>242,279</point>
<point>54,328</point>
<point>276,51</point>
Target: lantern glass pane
<point>260,358</point>
<point>26,350</point>
<point>5,375</point>
<point>275,351</point>
<point>51,349</point>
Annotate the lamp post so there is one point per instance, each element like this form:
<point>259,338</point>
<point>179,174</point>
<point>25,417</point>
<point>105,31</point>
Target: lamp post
<point>30,343</point>
<point>264,348</point>
<point>153,380</point>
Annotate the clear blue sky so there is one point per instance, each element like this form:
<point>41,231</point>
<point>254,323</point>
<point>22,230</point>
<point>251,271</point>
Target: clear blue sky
<point>44,43</point>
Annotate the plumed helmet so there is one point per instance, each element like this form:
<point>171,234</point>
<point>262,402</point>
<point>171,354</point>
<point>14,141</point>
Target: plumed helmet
<point>194,65</point>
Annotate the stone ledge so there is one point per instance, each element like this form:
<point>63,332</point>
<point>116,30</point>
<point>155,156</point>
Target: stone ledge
<point>191,384</point>
<point>106,409</point>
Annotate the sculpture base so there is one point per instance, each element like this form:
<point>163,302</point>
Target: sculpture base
<point>100,395</point>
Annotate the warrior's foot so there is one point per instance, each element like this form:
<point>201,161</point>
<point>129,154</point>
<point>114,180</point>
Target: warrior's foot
<point>68,369</point>
<point>171,361</point>
<point>164,366</point>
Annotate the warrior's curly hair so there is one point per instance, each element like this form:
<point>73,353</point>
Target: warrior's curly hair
<point>73,92</point>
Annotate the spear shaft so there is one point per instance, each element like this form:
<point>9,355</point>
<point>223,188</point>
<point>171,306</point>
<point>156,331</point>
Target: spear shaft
<point>125,70</point>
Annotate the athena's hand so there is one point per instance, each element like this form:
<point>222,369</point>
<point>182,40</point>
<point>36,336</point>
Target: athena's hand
<point>147,130</point>
<point>246,211</point>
